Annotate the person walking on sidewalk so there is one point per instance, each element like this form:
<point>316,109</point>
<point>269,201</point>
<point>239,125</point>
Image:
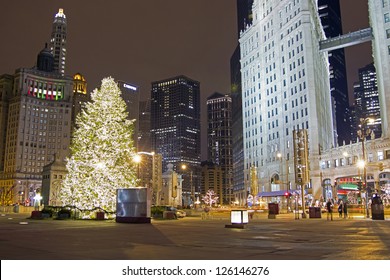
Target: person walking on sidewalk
<point>345,209</point>
<point>340,209</point>
<point>329,209</point>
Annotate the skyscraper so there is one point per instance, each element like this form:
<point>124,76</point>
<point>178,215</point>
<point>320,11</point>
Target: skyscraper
<point>58,42</point>
<point>285,89</point>
<point>219,140</point>
<point>175,126</point>
<point>38,127</point>
<point>329,11</point>
<point>35,119</point>
<point>367,99</point>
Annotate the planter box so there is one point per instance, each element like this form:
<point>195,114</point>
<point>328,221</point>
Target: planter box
<point>36,215</point>
<point>100,216</point>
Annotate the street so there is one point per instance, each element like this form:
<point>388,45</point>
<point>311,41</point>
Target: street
<point>283,238</point>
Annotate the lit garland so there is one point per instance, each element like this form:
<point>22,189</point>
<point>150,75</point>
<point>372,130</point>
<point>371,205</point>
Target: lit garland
<point>101,152</point>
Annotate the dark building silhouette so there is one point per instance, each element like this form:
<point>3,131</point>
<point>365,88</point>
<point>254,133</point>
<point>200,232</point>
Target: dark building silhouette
<point>329,11</point>
<point>244,17</point>
<point>219,140</point>
<point>144,141</point>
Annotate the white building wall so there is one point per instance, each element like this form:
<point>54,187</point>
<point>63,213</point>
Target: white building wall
<point>379,13</point>
<point>285,87</point>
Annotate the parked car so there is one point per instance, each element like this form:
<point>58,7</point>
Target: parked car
<point>181,214</point>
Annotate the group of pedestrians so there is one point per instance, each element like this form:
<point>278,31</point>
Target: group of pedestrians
<point>342,209</point>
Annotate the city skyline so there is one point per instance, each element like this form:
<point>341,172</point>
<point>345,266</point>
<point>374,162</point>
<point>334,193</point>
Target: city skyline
<point>134,41</point>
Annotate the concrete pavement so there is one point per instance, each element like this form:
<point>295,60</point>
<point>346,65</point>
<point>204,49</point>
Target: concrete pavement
<point>283,238</point>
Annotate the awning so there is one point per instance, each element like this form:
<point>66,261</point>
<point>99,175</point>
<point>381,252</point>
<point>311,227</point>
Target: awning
<point>279,193</point>
<point>351,187</point>
<point>274,193</point>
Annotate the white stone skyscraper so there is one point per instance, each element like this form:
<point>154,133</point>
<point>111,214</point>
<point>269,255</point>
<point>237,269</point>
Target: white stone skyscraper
<point>379,13</point>
<point>58,42</point>
<point>285,87</point>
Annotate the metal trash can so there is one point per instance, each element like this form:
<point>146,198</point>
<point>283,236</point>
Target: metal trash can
<point>16,208</point>
<point>377,210</point>
<point>314,212</point>
<point>273,210</point>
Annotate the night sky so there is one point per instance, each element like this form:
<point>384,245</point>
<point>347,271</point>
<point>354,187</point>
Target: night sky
<point>140,41</point>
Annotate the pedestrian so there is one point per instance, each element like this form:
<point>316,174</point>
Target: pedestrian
<point>329,209</point>
<point>345,209</point>
<point>340,209</point>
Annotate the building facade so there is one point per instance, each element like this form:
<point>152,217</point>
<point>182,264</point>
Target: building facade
<point>285,88</point>
<point>36,119</point>
<point>175,127</point>
<point>212,179</point>
<point>80,97</point>
<point>379,14</point>
<point>144,141</point>
<point>130,94</point>
<point>38,128</point>
<point>219,140</point>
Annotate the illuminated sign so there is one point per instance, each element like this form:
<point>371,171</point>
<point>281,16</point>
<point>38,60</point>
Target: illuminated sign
<point>129,87</point>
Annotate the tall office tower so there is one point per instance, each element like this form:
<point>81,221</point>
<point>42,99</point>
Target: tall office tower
<point>58,42</point>
<point>38,126</point>
<point>379,13</point>
<point>144,141</point>
<point>244,17</point>
<point>80,97</point>
<point>367,99</point>
<point>285,89</point>
<point>329,11</point>
<point>130,94</point>
<point>175,128</point>
<point>219,140</point>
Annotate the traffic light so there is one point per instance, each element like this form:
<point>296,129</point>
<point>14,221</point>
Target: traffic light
<point>287,194</point>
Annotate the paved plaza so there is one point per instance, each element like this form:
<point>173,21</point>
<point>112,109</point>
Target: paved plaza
<point>283,238</point>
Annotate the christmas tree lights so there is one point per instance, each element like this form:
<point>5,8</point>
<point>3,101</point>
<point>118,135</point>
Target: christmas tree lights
<point>101,152</point>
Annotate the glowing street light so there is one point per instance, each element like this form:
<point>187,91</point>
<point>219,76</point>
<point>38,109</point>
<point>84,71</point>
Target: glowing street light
<point>137,159</point>
<point>363,132</point>
<point>184,167</point>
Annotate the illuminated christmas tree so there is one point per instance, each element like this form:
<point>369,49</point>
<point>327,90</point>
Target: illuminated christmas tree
<point>101,152</point>
<point>210,198</point>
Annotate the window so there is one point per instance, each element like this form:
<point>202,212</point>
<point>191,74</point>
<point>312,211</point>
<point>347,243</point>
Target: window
<point>380,155</point>
<point>387,17</point>
<point>387,33</point>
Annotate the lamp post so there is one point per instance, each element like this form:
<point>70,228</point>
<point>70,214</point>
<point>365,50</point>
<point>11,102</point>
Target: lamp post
<point>192,195</point>
<point>137,160</point>
<point>363,132</point>
<point>280,158</point>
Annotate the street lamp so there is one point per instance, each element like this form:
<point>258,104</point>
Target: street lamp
<point>280,158</point>
<point>363,132</point>
<point>137,160</point>
<point>192,197</point>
